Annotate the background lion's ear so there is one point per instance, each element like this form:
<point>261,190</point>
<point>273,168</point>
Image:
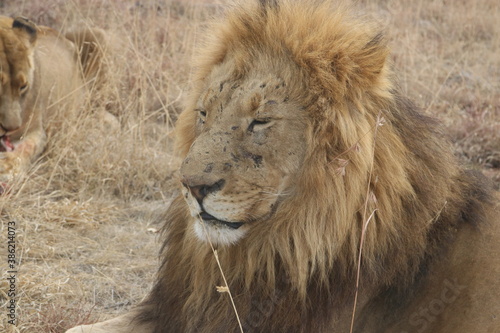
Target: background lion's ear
<point>26,27</point>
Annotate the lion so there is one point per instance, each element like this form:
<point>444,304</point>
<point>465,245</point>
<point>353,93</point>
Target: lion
<point>330,202</point>
<point>42,75</point>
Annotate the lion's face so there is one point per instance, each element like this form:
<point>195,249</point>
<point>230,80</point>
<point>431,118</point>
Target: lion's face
<point>16,70</point>
<point>249,144</point>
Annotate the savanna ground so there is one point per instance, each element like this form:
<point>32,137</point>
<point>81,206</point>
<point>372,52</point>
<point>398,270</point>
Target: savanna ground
<point>87,212</point>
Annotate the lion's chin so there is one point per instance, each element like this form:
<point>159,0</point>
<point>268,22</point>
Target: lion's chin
<point>219,232</point>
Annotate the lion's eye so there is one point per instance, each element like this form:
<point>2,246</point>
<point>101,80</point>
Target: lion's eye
<point>23,88</point>
<point>260,124</point>
<point>202,115</point>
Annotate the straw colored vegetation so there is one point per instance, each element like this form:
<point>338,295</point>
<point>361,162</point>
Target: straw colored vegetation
<point>87,211</point>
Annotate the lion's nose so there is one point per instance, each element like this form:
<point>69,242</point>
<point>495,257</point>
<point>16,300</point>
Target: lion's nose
<point>201,191</point>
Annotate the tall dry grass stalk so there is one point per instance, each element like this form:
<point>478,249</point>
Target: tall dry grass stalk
<point>225,288</point>
<point>84,209</point>
<point>370,197</point>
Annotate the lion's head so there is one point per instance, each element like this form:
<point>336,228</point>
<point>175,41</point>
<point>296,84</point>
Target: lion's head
<point>270,123</point>
<point>290,128</point>
<point>17,44</point>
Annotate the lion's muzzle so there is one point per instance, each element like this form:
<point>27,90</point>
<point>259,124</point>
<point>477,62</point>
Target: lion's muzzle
<point>199,192</point>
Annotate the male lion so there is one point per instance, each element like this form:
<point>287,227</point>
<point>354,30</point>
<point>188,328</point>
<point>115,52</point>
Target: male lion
<point>329,199</point>
<point>40,73</point>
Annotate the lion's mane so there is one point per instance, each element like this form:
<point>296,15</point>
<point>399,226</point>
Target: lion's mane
<point>373,162</point>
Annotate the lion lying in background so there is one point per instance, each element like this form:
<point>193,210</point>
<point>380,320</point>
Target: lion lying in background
<point>332,203</point>
<point>41,73</point>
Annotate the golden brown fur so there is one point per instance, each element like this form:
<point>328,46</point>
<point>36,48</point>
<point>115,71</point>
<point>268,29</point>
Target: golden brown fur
<point>295,101</point>
<point>41,74</point>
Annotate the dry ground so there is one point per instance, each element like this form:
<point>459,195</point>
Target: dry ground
<point>87,212</point>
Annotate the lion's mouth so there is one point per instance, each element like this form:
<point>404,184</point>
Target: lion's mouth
<point>5,144</point>
<point>209,219</point>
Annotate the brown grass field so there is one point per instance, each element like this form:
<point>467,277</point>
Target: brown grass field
<point>87,211</point>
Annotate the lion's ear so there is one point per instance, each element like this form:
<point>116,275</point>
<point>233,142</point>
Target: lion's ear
<point>357,66</point>
<point>25,26</point>
<point>372,58</point>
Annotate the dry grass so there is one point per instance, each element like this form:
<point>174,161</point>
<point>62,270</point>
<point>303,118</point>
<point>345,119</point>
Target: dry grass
<point>84,211</point>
